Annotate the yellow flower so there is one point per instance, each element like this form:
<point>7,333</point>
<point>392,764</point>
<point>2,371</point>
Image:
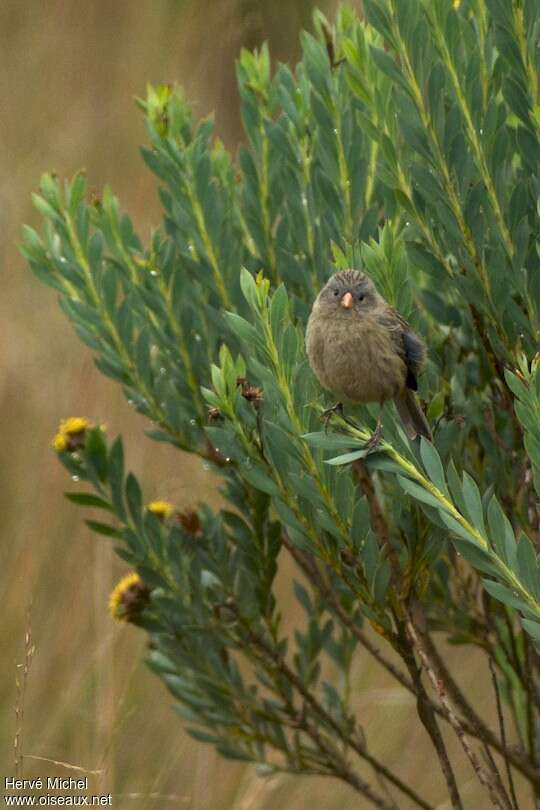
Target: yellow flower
<point>70,434</point>
<point>128,598</point>
<point>456,4</point>
<point>60,443</point>
<point>162,509</point>
<point>73,425</point>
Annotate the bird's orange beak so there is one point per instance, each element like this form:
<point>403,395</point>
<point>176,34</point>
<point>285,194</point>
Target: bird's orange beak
<point>347,300</point>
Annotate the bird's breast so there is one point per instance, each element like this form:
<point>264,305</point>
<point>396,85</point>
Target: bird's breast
<point>360,361</point>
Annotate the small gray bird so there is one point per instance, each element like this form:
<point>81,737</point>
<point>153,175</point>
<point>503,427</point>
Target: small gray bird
<point>362,350</point>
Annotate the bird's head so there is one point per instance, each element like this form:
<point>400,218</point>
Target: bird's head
<point>349,293</point>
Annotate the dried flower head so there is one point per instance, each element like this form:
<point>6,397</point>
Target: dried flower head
<point>214,415</point>
<point>378,629</point>
<point>190,522</point>
<point>162,509</point>
<point>129,598</point>
<point>252,393</point>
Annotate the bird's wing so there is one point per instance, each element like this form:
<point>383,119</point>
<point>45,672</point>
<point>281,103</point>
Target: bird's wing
<point>408,344</point>
<point>415,353</point>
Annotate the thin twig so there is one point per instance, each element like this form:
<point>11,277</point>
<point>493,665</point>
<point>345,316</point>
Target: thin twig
<point>503,732</point>
<point>66,765</point>
<point>533,703</point>
<point>384,787</point>
<point>532,708</point>
<point>480,730</point>
<point>532,686</point>
<point>21,683</point>
<point>377,518</point>
<point>343,770</point>
<point>277,659</point>
<point>497,800</point>
<point>474,727</point>
<point>307,564</point>
<point>492,765</point>
<point>429,721</point>
<point>425,710</point>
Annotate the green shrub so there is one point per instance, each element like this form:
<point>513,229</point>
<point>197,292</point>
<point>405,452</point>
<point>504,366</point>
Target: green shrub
<point>406,143</point>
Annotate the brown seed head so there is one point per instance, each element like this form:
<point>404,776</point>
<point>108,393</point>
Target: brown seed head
<point>190,522</point>
<point>252,393</point>
<point>214,415</point>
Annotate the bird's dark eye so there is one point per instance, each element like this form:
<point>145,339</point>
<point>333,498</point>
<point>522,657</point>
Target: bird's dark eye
<point>361,297</point>
<point>336,291</point>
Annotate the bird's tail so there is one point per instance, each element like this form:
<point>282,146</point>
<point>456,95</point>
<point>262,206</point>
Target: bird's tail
<point>412,416</point>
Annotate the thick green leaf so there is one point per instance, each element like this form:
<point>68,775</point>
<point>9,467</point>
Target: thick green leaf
<point>433,465</point>
<point>259,479</point>
<point>242,329</point>
<point>279,310</point>
<point>533,629</point>
<point>418,492</point>
<point>95,452</point>
<point>476,556</point>
<point>103,528</point>
<point>456,527</point>
<point>501,533</point>
<point>473,503</point>
<point>528,566</point>
<point>455,487</point>
<point>347,458</point>
<point>329,441</point>
<point>87,499</point>
<point>249,288</point>
<point>134,498</point>
<point>503,594</point>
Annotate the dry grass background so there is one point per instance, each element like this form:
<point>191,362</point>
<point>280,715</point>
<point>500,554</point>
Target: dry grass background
<point>68,74</point>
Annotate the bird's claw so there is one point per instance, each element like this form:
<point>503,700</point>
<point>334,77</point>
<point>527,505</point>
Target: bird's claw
<point>337,408</point>
<point>375,439</point>
<point>329,412</point>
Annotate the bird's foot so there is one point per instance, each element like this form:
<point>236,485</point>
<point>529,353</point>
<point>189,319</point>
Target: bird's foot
<point>329,412</point>
<point>375,439</point>
<point>336,409</point>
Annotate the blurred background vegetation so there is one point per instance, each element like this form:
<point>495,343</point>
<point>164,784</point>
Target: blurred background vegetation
<point>69,73</point>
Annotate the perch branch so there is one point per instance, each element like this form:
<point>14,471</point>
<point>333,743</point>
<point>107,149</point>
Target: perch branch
<point>499,799</point>
<point>473,726</point>
<point>426,712</point>
<point>277,660</point>
<point>500,715</point>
